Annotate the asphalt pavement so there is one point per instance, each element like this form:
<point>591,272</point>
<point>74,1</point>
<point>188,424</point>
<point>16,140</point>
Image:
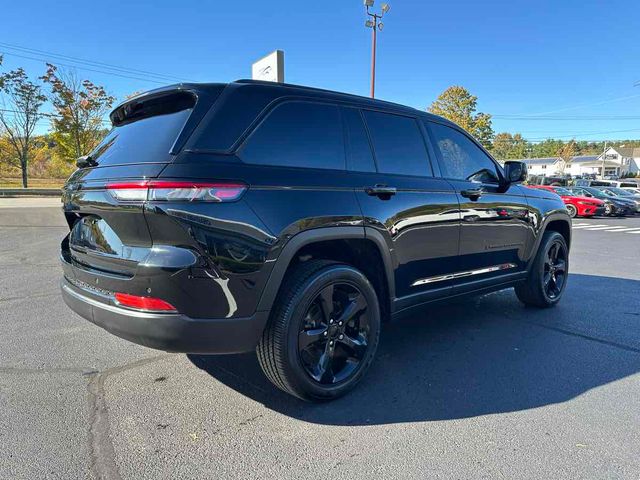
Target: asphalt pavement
<point>482,388</point>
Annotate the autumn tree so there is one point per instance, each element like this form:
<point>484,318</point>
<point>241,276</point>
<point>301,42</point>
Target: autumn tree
<point>458,105</point>
<point>506,146</point>
<point>80,109</point>
<point>21,102</point>
<point>566,153</point>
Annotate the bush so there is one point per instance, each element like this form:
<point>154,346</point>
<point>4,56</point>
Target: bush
<point>59,168</point>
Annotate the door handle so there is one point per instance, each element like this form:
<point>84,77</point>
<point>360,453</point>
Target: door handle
<point>381,191</point>
<point>472,193</point>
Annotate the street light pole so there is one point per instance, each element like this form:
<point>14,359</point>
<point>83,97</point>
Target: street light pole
<point>374,24</point>
<point>373,59</point>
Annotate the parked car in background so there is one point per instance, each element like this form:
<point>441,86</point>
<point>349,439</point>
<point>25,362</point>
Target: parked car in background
<point>622,193</point>
<point>592,182</point>
<point>635,190</point>
<point>612,205</point>
<point>619,192</point>
<point>577,206</point>
<point>627,182</point>
<point>544,180</point>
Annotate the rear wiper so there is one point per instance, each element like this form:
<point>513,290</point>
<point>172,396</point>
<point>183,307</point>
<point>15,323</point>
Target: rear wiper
<point>86,161</point>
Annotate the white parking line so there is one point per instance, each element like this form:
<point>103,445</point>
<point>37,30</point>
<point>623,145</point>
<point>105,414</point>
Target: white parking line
<point>602,227</point>
<point>598,228</point>
<point>627,229</point>
<point>577,227</point>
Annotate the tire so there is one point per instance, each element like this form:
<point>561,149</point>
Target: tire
<point>573,212</point>
<point>538,290</point>
<point>321,370</point>
<point>608,210</point>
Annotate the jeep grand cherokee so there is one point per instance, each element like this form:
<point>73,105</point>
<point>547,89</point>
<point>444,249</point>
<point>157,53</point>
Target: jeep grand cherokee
<point>224,218</point>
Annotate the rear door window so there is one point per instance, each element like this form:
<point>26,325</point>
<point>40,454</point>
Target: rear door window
<point>462,159</point>
<point>398,144</point>
<point>298,134</point>
<point>359,155</point>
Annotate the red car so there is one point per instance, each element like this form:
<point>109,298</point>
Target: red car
<point>576,205</point>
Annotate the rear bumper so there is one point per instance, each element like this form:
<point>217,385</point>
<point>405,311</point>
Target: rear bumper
<point>626,211</point>
<point>169,332</point>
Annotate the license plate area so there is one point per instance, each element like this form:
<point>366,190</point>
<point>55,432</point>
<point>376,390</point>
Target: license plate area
<point>91,234</point>
<point>96,247</point>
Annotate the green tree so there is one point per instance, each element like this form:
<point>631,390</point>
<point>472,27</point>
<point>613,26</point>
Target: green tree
<point>458,105</point>
<point>546,149</point>
<point>501,147</point>
<point>506,146</point>
<point>21,102</point>
<point>80,107</point>
<point>520,147</point>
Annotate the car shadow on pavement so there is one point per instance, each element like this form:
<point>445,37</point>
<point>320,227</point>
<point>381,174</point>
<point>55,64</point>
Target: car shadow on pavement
<point>475,357</point>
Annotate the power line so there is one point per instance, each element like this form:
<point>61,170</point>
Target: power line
<point>85,68</point>
<point>94,63</point>
<point>572,118</point>
<point>46,115</point>
<point>564,109</point>
<point>573,135</point>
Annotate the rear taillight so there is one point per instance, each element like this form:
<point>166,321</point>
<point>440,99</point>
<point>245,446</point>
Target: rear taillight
<point>175,191</point>
<point>148,304</point>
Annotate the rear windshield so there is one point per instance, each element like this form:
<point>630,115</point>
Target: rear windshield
<point>145,137</point>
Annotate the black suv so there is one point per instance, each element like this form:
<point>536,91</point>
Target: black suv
<point>225,218</point>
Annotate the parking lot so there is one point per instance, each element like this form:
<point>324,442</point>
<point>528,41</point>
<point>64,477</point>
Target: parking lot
<point>481,388</point>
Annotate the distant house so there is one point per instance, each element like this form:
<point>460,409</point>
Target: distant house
<point>542,166</point>
<point>581,165</point>
<point>620,160</point>
<point>617,161</point>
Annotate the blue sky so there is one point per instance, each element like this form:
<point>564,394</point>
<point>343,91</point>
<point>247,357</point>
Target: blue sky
<point>575,61</point>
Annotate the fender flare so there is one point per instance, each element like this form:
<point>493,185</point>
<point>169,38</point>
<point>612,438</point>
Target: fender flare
<point>308,237</point>
<point>552,216</point>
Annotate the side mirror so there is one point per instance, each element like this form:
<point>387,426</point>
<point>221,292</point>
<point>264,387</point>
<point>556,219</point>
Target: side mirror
<point>515,172</point>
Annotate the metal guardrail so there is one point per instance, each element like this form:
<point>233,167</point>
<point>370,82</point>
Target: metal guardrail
<point>30,192</point>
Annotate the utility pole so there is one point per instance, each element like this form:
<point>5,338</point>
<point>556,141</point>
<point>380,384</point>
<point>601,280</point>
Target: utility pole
<point>604,157</point>
<point>374,24</point>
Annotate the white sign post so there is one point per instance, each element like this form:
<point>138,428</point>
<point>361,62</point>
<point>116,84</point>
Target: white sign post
<point>269,68</point>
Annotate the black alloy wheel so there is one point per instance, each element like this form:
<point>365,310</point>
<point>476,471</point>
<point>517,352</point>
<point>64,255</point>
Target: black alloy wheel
<point>548,273</point>
<point>335,333</point>
<point>555,269</point>
<point>323,333</point>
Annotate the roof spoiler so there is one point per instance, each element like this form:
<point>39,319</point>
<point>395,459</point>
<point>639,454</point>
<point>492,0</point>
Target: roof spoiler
<point>155,102</point>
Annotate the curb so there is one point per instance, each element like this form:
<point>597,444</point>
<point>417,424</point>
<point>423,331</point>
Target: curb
<point>30,192</point>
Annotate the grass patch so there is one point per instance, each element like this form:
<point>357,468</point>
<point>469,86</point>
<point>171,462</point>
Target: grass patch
<point>15,182</point>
